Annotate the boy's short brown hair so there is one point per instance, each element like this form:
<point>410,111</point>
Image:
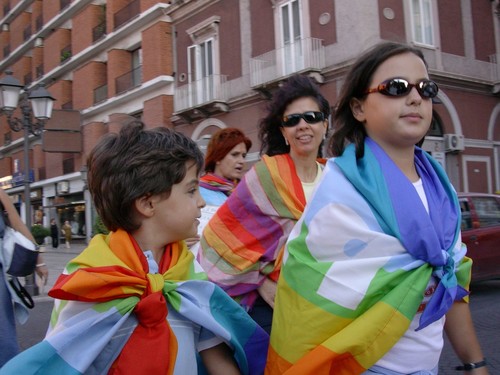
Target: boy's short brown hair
<point>135,163</point>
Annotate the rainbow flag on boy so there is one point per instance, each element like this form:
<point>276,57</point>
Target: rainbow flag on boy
<point>110,315</point>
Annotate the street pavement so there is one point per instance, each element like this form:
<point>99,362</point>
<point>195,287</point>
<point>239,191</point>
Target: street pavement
<point>485,302</point>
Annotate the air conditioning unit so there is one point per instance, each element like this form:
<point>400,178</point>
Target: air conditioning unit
<point>453,142</point>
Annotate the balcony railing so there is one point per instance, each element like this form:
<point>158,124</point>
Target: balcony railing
<point>28,78</point>
<point>495,67</point>
<point>129,80</point>
<point>304,54</point>
<point>39,71</point>
<point>64,3</point>
<point>39,22</point>
<point>128,12</point>
<point>27,32</point>
<point>100,94</point>
<point>69,165</point>
<point>66,53</point>
<point>7,138</point>
<point>197,93</point>
<point>98,31</point>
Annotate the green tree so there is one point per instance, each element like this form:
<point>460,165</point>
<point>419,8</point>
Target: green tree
<point>99,227</point>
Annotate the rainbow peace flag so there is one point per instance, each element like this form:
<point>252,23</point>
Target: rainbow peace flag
<point>358,262</point>
<point>243,242</point>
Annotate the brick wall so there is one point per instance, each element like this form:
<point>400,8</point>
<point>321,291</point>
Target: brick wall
<point>83,22</point>
<point>86,79</point>
<point>157,111</point>
<point>50,9</point>
<point>53,45</point>
<point>119,63</point>
<point>156,51</point>
<point>61,91</point>
<point>17,30</point>
<point>91,133</point>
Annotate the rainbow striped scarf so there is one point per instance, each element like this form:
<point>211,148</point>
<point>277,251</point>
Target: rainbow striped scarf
<point>358,262</point>
<point>213,182</point>
<point>243,242</point>
<point>101,288</point>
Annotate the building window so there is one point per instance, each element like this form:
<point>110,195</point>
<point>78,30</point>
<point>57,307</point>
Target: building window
<point>422,22</point>
<point>132,78</point>
<point>203,62</point>
<point>291,34</point>
<point>137,67</point>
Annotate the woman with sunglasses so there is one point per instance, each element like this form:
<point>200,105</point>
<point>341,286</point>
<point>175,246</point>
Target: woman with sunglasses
<point>376,261</point>
<point>242,245</point>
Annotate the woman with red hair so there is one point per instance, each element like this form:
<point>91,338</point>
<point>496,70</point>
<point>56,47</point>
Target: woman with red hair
<point>224,165</point>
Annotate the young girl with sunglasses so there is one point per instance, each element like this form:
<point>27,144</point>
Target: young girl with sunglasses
<point>375,269</point>
<point>242,244</point>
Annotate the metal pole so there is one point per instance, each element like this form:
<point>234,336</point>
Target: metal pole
<point>30,283</point>
<point>88,215</point>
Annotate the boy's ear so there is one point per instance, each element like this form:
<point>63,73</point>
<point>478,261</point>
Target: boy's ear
<point>357,109</point>
<point>144,205</point>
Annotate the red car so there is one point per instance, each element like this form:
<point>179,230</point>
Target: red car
<point>481,233</point>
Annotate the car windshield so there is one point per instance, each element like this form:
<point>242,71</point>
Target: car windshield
<point>488,211</point>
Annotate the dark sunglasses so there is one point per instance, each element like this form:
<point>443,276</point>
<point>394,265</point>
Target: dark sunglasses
<point>311,117</point>
<point>400,87</point>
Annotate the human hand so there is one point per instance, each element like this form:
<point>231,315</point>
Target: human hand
<point>41,269</point>
<point>268,291</point>
<point>43,272</point>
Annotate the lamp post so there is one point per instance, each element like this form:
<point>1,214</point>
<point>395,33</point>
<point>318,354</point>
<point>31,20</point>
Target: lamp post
<point>41,102</point>
<point>88,205</point>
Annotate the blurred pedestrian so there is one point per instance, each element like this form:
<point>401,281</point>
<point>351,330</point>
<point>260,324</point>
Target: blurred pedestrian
<point>66,229</point>
<point>54,233</point>
<point>11,306</point>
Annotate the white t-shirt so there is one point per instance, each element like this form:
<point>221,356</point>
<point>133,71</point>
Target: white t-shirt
<point>417,350</point>
<point>309,186</point>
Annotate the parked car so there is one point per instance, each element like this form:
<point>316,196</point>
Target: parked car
<point>481,233</point>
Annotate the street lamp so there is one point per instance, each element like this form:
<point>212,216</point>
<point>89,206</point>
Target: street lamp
<point>88,204</point>
<point>42,103</point>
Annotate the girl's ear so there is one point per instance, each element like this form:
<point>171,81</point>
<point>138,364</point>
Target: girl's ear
<point>357,109</point>
<point>144,205</point>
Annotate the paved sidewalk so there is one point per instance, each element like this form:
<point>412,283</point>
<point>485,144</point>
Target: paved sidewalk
<point>56,260</point>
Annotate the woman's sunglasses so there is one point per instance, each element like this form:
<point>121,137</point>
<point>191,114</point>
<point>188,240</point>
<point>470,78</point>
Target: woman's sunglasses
<point>310,117</point>
<point>401,87</point>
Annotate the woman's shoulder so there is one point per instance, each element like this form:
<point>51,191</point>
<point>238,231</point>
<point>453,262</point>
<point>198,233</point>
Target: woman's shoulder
<point>213,197</point>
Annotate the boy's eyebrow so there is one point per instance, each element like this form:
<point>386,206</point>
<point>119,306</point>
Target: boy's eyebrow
<point>194,181</point>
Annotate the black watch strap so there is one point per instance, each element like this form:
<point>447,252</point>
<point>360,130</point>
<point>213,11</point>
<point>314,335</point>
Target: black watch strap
<point>471,366</point>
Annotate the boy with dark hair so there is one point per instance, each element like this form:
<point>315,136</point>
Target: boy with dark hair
<point>135,301</point>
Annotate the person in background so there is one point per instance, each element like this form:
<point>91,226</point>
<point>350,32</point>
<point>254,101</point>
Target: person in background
<point>224,167</point>
<point>66,229</point>
<point>135,301</point>
<point>54,233</point>
<point>11,307</point>
<point>241,246</point>
<point>224,164</point>
<point>375,269</point>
